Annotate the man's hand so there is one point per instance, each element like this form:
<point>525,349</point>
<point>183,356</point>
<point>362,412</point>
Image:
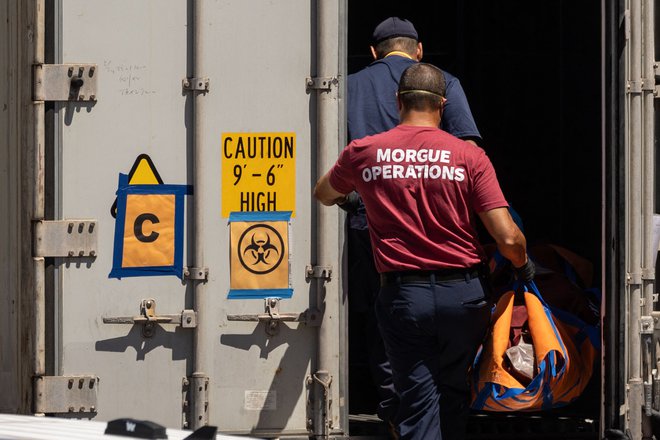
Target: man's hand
<point>525,272</point>
<point>351,203</point>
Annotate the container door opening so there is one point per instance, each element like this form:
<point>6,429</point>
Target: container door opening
<point>532,76</point>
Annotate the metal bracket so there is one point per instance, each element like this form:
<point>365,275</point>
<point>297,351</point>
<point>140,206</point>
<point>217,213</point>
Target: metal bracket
<point>648,84</point>
<point>65,394</point>
<point>648,274</point>
<point>634,279</point>
<point>196,84</point>
<point>65,82</point>
<point>65,238</point>
<point>634,86</point>
<point>196,273</point>
<point>273,317</point>
<point>148,318</point>
<point>200,397</point>
<point>646,325</point>
<point>318,272</point>
<point>185,403</point>
<point>324,83</point>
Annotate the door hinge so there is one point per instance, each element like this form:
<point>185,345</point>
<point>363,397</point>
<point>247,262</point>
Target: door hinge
<point>65,238</point>
<point>65,82</point>
<point>149,319</point>
<point>66,394</point>
<point>200,397</point>
<point>185,403</point>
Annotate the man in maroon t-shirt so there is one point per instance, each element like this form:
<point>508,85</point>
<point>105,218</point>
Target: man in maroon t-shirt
<point>421,187</point>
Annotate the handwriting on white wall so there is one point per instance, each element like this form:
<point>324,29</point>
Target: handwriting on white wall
<point>130,77</point>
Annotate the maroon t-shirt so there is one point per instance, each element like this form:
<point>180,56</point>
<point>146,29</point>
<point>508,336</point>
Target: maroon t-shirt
<point>420,186</point>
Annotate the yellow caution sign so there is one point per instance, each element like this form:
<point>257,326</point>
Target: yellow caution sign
<point>259,255</point>
<point>258,172</point>
<point>143,172</point>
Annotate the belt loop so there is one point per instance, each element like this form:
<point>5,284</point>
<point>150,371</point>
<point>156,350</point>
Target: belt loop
<point>432,279</point>
<point>398,279</point>
<point>468,276</point>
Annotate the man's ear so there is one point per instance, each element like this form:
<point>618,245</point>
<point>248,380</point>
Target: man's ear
<point>420,52</point>
<point>373,52</point>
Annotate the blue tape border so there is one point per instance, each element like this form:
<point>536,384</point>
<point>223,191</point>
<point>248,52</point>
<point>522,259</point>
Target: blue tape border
<point>260,293</point>
<point>260,216</point>
<point>123,190</point>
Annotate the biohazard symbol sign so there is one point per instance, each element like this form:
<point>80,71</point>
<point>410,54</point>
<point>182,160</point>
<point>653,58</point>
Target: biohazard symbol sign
<point>259,255</point>
<point>260,249</point>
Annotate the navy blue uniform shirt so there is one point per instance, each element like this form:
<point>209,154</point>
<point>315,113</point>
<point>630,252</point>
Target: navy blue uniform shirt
<point>372,107</point>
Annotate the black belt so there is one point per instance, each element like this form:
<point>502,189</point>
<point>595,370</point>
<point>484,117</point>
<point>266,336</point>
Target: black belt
<point>429,276</point>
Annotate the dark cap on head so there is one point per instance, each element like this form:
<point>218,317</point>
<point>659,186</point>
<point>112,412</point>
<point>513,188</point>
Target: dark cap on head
<point>394,27</point>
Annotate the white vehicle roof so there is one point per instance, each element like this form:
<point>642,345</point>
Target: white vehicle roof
<point>15,427</point>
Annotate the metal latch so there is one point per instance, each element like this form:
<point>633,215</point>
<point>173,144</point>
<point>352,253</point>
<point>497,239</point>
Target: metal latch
<point>148,318</point>
<point>65,238</point>
<point>65,82</point>
<point>323,83</point>
<point>65,394</point>
<point>272,316</point>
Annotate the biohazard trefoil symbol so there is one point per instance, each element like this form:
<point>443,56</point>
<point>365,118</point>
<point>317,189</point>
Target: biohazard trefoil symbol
<point>260,249</point>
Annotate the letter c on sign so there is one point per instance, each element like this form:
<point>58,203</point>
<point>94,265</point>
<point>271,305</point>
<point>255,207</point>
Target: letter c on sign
<point>137,227</point>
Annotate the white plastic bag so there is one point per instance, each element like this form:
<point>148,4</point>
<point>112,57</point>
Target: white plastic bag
<point>521,357</point>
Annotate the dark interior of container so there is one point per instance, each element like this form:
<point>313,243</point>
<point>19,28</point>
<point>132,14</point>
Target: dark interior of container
<point>532,75</point>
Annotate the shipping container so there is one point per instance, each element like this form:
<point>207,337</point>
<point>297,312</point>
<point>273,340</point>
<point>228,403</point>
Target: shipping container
<point>163,257</point>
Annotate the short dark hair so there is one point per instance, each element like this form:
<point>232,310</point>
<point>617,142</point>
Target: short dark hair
<point>422,87</point>
<point>404,44</point>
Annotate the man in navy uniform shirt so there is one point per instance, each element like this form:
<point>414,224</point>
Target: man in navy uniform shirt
<point>372,109</point>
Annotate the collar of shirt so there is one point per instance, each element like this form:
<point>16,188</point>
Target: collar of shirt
<point>398,53</point>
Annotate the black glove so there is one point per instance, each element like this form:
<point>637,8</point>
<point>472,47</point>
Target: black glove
<point>525,272</point>
<point>351,203</point>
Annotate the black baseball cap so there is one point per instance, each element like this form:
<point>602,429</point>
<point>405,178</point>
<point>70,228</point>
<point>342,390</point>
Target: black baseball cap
<point>394,27</point>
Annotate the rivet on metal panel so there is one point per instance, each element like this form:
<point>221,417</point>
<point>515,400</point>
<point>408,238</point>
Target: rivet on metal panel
<point>81,69</point>
<point>81,253</point>
<point>92,253</point>
<point>70,253</point>
<point>81,97</point>
<point>70,71</point>
<point>70,228</point>
<point>91,227</point>
<point>91,71</point>
<point>92,409</point>
<point>92,97</point>
<point>81,228</point>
